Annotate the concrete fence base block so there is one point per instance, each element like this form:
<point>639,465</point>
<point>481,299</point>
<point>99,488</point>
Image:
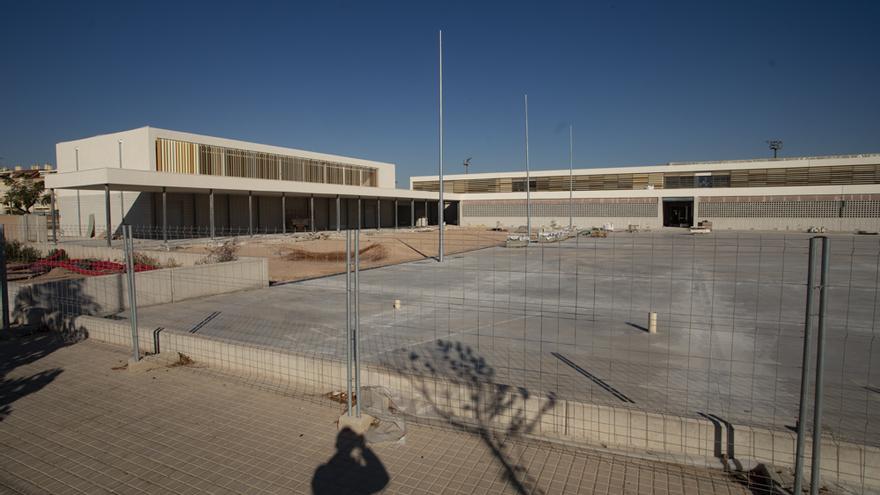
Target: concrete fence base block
<point>359,425</point>
<point>694,440</point>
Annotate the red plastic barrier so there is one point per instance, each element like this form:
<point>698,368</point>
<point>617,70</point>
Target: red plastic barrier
<point>86,267</point>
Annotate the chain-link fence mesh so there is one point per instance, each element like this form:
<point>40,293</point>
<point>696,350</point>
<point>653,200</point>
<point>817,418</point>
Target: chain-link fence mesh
<point>550,339</point>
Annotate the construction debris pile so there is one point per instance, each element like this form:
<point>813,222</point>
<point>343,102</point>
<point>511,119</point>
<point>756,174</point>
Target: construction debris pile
<point>558,235</point>
<point>58,259</point>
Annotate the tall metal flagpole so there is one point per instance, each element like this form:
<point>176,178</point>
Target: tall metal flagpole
<point>570,176</point>
<point>528,178</point>
<point>440,202</point>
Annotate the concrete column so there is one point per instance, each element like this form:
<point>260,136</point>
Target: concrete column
<point>283,213</point>
<point>378,213</point>
<point>312,212</point>
<point>338,214</point>
<point>427,220</point>
<point>395,215</point>
<point>412,213</point>
<point>107,213</point>
<point>164,215</point>
<point>211,211</point>
<point>359,213</point>
<point>250,213</point>
<point>228,213</point>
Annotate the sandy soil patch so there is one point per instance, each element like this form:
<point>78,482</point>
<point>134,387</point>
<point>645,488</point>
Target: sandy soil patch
<point>298,257</point>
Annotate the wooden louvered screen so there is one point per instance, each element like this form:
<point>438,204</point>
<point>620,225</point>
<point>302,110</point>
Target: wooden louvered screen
<point>191,158</point>
<point>177,157</point>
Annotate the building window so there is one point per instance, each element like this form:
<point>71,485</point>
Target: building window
<point>520,185</point>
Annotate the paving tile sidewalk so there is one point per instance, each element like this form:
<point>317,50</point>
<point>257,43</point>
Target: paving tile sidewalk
<point>71,423</point>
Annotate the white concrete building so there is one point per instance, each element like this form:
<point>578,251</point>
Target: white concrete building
<point>840,193</point>
<point>171,184</point>
<point>167,183</point>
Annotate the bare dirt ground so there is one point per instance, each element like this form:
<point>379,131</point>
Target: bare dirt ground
<point>18,273</point>
<point>302,257</point>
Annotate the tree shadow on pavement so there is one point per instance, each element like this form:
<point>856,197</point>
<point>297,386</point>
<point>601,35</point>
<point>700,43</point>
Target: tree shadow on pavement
<point>20,351</point>
<point>474,402</point>
<point>354,468</point>
<point>56,305</point>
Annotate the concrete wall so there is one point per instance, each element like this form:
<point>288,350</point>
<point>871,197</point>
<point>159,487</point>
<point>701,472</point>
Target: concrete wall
<point>103,151</point>
<point>25,228</point>
<point>868,221</point>
<point>692,440</point>
<point>793,224</point>
<point>546,223</point>
<point>133,208</point>
<point>54,303</point>
<point>835,212</point>
<point>115,254</point>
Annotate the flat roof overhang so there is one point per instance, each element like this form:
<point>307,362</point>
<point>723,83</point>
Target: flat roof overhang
<point>120,179</point>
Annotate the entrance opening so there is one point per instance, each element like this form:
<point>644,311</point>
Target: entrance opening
<point>678,212</point>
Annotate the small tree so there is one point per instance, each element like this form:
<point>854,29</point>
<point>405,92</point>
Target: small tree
<point>23,191</point>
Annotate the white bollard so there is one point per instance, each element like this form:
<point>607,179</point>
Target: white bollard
<point>652,322</point>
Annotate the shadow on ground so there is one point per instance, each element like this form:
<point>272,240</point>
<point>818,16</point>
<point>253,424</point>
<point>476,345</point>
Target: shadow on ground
<point>16,351</point>
<point>475,403</point>
<point>45,315</point>
<point>354,468</point>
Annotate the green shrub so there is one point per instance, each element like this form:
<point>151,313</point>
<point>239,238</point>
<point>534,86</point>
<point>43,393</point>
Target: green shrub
<point>16,252</point>
<point>62,257</point>
<point>143,259</point>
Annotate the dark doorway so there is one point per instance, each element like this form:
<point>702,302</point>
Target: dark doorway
<point>450,216</point>
<point>678,212</point>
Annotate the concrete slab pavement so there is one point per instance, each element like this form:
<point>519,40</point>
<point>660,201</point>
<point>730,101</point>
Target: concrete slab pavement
<point>73,420</point>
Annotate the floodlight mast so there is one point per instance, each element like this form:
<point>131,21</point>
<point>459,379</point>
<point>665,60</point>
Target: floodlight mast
<point>570,176</point>
<point>775,145</point>
<point>528,177</point>
<point>440,212</point>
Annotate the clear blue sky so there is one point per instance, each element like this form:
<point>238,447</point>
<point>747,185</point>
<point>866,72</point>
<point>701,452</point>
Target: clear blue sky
<point>642,83</point>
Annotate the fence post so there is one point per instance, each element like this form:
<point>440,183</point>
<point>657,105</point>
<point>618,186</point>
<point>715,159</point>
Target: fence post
<point>820,371</point>
<point>357,323</point>
<point>132,292</point>
<point>348,319</point>
<point>52,216</point>
<point>805,369</point>
<point>4,288</point>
